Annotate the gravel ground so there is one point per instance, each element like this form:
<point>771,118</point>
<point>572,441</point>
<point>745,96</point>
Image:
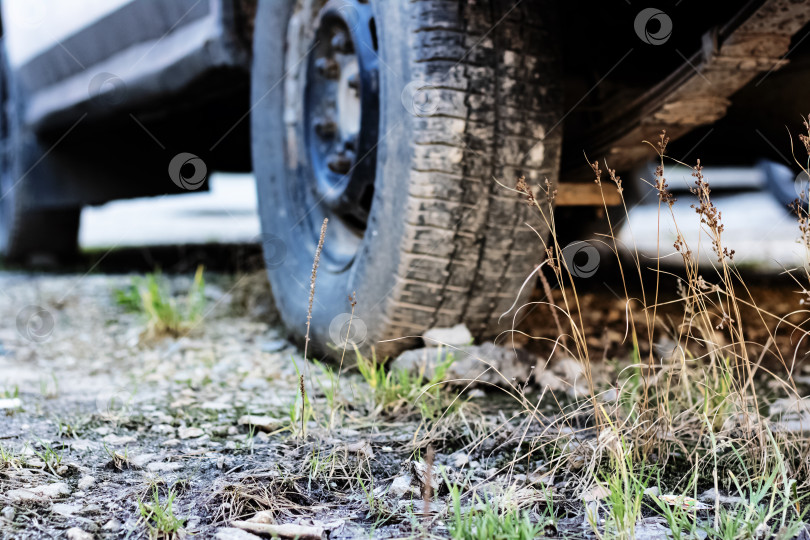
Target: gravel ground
<point>99,419</point>
<point>96,417</point>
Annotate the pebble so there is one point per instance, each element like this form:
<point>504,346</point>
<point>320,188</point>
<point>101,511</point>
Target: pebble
<point>274,345</point>
<point>232,533</point>
<point>8,513</point>
<point>113,525</point>
<point>45,491</point>
<point>261,423</point>
<point>66,510</point>
<point>164,466</point>
<point>75,533</point>
<point>189,432</point>
<point>455,336</point>
<point>10,403</point>
<point>86,482</point>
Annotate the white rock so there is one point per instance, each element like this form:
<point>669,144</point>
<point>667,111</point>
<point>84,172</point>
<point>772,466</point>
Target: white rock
<point>190,432</point>
<point>118,440</point>
<point>216,406</point>
<point>86,482</point>
<point>66,510</point>
<point>595,493</point>
<point>164,429</point>
<point>262,423</point>
<point>402,486</point>
<point>361,447</point>
<point>485,364</point>
<point>45,491</point>
<point>8,513</point>
<point>10,403</point>
<point>711,496</point>
<point>460,459</point>
<point>652,491</point>
<point>75,533</point>
<point>141,460</point>
<point>283,530</point>
<point>164,466</point>
<point>456,336</point>
<point>113,525</point>
<point>170,442</point>
<point>232,533</point>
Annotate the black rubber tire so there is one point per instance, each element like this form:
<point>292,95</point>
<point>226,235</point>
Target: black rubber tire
<point>444,244</point>
<point>28,232</point>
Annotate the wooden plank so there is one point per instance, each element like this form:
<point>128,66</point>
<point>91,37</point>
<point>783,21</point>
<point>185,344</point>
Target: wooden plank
<point>587,194</point>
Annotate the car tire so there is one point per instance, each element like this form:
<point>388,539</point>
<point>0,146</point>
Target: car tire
<point>467,92</point>
<point>28,232</point>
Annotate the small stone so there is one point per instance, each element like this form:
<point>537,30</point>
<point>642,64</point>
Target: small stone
<point>460,459</point>
<point>232,533</point>
<point>66,510</point>
<point>8,513</point>
<point>10,404</point>
<point>711,496</point>
<point>170,442</point>
<point>455,336</point>
<point>45,491</point>
<point>652,491</point>
<point>401,486</point>
<point>262,423</point>
<point>118,440</point>
<point>164,466</point>
<point>189,432</point>
<point>163,429</point>
<point>140,461</point>
<point>113,525</point>
<point>595,493</point>
<point>86,482</point>
<point>486,364</point>
<point>75,533</point>
<point>216,406</point>
<point>274,345</point>
<point>361,447</point>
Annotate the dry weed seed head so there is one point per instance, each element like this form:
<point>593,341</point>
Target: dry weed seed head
<point>597,173</point>
<point>616,179</point>
<point>524,188</point>
<point>662,187</point>
<point>551,194</point>
<point>663,141</point>
<point>799,207</point>
<point>709,214</point>
<point>682,248</point>
<point>806,138</point>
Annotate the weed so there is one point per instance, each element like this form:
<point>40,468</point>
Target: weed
<point>486,520</point>
<point>164,314</point>
<point>159,516</point>
<point>50,457</point>
<point>400,391</point>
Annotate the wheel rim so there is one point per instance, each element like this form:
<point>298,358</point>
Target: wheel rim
<point>341,124</point>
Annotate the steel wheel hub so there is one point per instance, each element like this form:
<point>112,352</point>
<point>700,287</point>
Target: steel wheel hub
<point>341,114</point>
